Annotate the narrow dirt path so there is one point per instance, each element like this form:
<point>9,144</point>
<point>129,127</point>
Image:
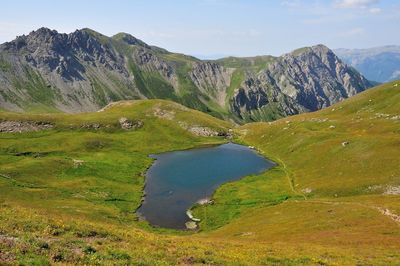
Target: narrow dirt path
<point>290,178</point>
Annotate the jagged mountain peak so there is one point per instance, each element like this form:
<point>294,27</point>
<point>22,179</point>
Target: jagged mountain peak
<point>307,79</point>
<point>42,32</point>
<point>46,40</point>
<point>316,49</point>
<point>84,70</point>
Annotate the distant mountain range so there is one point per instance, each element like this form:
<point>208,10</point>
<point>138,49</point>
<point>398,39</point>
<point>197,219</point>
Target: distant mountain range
<point>85,70</point>
<point>379,64</point>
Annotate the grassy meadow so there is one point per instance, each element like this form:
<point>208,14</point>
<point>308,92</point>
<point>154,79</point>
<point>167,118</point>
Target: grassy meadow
<point>68,195</point>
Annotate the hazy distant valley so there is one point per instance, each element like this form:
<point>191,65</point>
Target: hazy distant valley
<point>380,64</point>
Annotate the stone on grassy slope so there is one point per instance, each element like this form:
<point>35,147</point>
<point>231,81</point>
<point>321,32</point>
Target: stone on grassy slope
<point>128,124</point>
<point>392,190</point>
<point>23,126</point>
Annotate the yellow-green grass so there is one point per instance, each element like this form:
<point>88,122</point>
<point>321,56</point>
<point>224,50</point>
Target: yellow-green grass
<point>341,161</point>
<point>38,168</point>
<point>323,204</point>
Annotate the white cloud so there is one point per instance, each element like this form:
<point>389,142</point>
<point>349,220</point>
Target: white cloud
<point>291,3</point>
<point>352,32</point>
<point>375,10</point>
<point>355,3</point>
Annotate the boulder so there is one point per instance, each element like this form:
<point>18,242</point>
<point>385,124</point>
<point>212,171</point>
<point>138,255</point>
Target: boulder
<point>191,225</point>
<point>128,124</point>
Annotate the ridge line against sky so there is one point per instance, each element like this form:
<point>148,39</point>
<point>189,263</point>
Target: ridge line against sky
<point>216,28</point>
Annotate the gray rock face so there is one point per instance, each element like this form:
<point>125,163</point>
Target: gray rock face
<point>152,63</point>
<point>212,79</point>
<point>257,98</point>
<point>65,71</point>
<point>84,71</point>
<point>305,80</point>
<point>64,53</point>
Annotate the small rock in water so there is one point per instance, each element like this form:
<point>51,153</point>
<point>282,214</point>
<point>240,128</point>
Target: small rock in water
<point>191,225</point>
<point>190,215</point>
<point>205,201</point>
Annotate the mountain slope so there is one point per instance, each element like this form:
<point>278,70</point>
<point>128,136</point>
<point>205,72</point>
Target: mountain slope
<point>85,70</point>
<point>304,80</point>
<point>379,64</point>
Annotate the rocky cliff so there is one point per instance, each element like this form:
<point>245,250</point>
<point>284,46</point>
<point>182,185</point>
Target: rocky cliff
<point>307,79</point>
<point>212,79</point>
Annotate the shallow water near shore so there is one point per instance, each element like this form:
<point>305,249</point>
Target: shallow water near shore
<point>179,179</point>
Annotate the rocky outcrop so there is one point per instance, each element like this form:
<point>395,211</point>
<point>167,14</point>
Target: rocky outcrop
<point>64,54</point>
<point>128,124</point>
<point>71,72</point>
<point>23,126</point>
<point>212,79</point>
<point>150,62</point>
<point>256,98</point>
<point>203,131</point>
<point>304,80</point>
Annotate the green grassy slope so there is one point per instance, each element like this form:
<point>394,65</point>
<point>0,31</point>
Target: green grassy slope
<point>323,204</point>
<point>39,169</point>
<point>254,64</point>
<point>339,195</point>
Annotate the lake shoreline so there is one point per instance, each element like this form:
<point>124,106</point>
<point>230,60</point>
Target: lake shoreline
<point>245,162</point>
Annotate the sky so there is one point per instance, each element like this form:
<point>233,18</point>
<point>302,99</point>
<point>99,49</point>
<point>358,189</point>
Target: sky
<point>211,29</point>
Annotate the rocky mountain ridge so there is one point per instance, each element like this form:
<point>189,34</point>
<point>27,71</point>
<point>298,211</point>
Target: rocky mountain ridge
<point>85,70</point>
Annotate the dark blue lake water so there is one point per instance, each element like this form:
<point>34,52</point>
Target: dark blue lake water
<point>177,180</point>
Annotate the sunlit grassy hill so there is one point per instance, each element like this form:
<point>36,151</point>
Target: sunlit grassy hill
<point>341,171</point>
<point>68,193</point>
